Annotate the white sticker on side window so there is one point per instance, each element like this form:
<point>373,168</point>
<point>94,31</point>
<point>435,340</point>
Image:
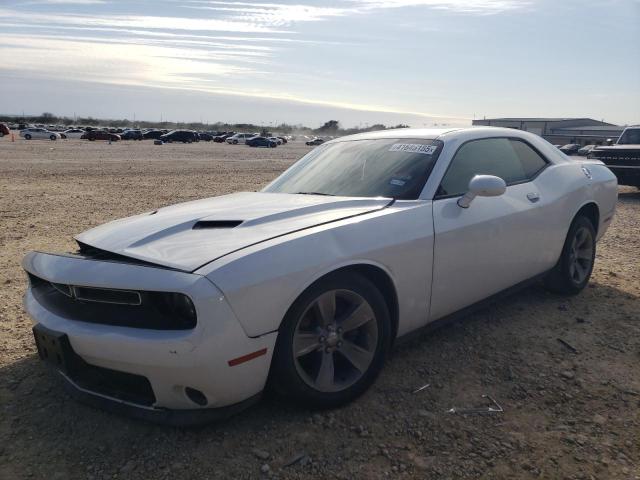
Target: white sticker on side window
<point>413,148</point>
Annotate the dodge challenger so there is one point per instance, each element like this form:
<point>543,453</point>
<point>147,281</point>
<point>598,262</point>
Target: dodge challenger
<point>188,312</point>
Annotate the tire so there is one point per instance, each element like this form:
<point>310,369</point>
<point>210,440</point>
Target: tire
<point>235,142</point>
<point>572,272</point>
<point>52,137</point>
<point>27,137</point>
<point>300,376</point>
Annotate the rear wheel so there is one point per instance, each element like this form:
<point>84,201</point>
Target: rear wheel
<point>332,342</point>
<point>574,268</point>
<point>52,137</point>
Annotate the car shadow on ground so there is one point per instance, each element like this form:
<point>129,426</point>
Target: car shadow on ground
<point>477,353</point>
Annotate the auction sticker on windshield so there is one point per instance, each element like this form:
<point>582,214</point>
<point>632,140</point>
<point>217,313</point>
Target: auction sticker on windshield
<point>413,148</point>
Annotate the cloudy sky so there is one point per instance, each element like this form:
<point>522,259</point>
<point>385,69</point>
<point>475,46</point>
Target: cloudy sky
<point>421,62</point>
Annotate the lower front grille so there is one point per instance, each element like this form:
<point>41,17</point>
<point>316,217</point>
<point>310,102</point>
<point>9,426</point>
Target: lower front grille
<point>112,383</point>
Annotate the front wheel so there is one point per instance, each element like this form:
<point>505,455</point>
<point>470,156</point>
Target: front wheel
<point>333,341</point>
<point>572,272</point>
<point>27,137</point>
<point>52,137</point>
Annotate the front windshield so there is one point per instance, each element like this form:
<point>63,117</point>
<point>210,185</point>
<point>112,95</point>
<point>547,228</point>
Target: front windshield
<point>631,136</point>
<point>395,168</point>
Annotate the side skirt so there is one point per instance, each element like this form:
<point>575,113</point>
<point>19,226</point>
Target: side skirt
<point>467,311</point>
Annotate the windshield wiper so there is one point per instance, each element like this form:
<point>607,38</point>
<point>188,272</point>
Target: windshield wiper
<point>316,193</point>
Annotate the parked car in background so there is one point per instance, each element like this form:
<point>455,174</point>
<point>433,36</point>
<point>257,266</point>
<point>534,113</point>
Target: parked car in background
<point>623,158</point>
<point>4,129</point>
<point>223,136</point>
<point>184,136</point>
<point>261,142</point>
<point>284,139</point>
<point>132,135</point>
<point>240,138</point>
<point>153,134</point>
<point>74,133</point>
<point>205,137</point>
<point>586,150</point>
<point>39,133</point>
<point>315,141</point>
<point>100,135</point>
<point>570,148</point>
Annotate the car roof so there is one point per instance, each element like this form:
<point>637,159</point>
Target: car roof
<point>458,133</point>
<point>428,133</point>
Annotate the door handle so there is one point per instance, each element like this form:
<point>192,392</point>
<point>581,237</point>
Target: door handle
<point>533,197</point>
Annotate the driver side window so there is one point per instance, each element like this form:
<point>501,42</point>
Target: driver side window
<point>510,159</point>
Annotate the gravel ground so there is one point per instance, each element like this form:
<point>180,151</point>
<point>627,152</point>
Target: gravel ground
<point>566,415</point>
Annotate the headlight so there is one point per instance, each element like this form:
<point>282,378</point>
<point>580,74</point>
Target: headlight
<point>177,306</point>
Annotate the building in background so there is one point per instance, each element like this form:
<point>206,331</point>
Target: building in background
<point>560,131</point>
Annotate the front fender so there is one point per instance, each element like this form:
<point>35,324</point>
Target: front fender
<point>261,282</point>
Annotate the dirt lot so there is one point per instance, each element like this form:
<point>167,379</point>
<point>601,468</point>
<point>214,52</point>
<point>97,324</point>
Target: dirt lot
<point>566,415</point>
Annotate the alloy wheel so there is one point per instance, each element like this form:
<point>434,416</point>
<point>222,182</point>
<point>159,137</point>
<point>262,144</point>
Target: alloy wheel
<point>335,340</point>
<point>581,255</point>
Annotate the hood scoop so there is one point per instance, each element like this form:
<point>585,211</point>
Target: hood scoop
<point>216,224</point>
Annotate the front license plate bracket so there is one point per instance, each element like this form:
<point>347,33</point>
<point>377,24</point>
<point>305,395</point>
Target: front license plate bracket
<point>53,348</point>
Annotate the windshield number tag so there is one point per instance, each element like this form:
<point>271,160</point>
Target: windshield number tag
<point>413,148</point>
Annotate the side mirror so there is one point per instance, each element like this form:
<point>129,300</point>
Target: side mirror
<point>482,186</point>
<point>609,141</point>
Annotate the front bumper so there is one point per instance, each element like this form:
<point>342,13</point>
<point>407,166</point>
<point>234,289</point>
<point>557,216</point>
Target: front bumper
<point>171,360</point>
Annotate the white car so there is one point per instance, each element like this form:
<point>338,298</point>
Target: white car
<point>36,132</point>
<point>74,133</point>
<point>276,139</point>
<point>240,138</point>
<point>183,313</point>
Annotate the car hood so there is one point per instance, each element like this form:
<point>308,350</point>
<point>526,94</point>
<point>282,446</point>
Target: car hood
<point>189,235</point>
